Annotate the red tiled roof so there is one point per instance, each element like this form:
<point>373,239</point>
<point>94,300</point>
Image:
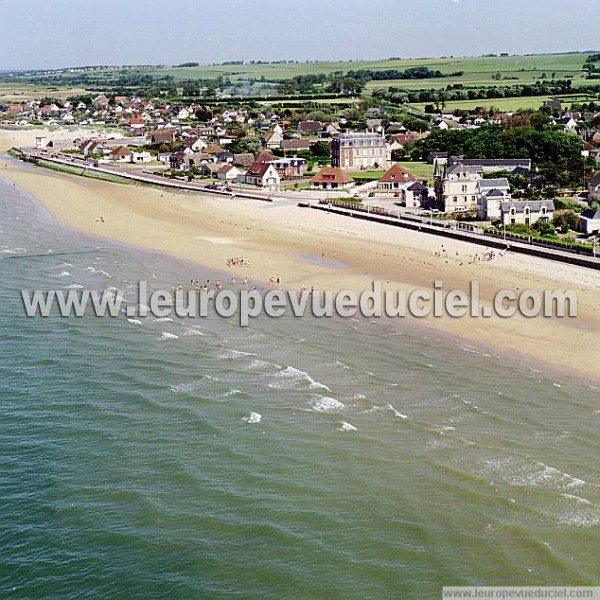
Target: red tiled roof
<point>331,175</point>
<point>258,169</point>
<point>395,174</point>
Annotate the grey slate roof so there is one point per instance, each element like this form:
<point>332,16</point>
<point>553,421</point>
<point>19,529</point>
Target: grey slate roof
<point>534,205</point>
<point>591,214</point>
<point>490,184</point>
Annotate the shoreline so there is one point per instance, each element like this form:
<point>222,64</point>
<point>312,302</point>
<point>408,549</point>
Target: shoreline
<point>328,252</point>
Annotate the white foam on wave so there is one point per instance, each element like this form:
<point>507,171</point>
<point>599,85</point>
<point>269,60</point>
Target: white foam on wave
<point>168,336</point>
<point>295,376</point>
<point>234,354</point>
<point>326,404</point>
<point>162,320</point>
<point>443,429</point>
<point>345,426</point>
<point>192,332</point>
<point>577,499</point>
<point>252,418</point>
<point>573,511</point>
<point>64,274</point>
<point>261,365</point>
<point>395,412</point>
<point>134,321</point>
<point>74,286</point>
<point>189,387</point>
<point>98,272</point>
<point>520,472</point>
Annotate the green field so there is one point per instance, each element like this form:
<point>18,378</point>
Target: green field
<point>476,69</point>
<point>507,104</point>
<point>420,170</point>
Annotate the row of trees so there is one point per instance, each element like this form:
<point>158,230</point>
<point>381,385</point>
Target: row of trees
<point>453,93</point>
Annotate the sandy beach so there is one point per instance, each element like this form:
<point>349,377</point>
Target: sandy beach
<point>312,248</point>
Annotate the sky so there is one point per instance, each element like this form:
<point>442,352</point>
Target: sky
<point>62,33</point>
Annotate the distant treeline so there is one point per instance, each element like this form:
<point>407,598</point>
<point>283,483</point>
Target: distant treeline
<point>411,73</point>
<point>353,81</point>
<point>457,92</point>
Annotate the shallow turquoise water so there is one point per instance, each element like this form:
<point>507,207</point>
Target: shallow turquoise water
<point>128,470</point>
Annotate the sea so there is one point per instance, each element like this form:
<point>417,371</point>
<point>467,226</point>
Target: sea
<point>295,458</point>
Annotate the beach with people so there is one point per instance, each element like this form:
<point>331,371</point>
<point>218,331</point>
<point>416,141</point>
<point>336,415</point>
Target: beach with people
<point>280,242</point>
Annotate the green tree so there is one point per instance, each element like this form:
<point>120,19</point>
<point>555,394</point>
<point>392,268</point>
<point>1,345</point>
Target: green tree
<point>565,220</point>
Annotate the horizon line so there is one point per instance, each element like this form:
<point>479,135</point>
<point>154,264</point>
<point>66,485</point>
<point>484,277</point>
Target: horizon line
<point>295,61</point>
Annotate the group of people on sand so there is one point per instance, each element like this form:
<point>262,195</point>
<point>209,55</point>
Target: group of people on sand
<point>241,261</point>
<point>486,256</point>
<point>198,286</point>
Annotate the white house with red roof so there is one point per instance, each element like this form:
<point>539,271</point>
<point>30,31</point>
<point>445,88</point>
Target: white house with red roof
<point>263,175</point>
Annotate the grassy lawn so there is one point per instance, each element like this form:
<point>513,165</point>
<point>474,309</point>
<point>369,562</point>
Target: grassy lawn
<point>417,169</point>
<point>503,104</point>
<point>365,176</point>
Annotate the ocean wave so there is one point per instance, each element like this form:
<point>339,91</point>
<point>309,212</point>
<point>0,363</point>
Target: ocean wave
<point>395,412</point>
<point>520,472</point>
<point>74,286</point>
<point>134,321</point>
<point>234,354</point>
<point>252,418</point>
<point>260,365</point>
<point>98,272</point>
<point>572,511</point>
<point>192,332</point>
<point>345,426</point>
<point>168,336</point>
<point>64,274</point>
<point>295,376</point>
<point>162,320</point>
<point>326,404</point>
<point>189,387</point>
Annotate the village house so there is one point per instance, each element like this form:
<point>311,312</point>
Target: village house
<point>119,154</point>
<point>492,165</point>
<point>589,221</point>
<point>490,195</point>
<point>456,189</point>
<point>594,186</point>
<point>290,168</point>
<point>394,179</point>
<point>273,137</point>
<point>209,169</point>
<point>360,151</point>
<point>243,160</point>
<point>163,136</point>
<point>295,145</point>
<point>414,195</point>
<point>263,175</point>
<point>140,157</point>
<point>311,128</point>
<point>331,178</point>
<point>526,212</point>
<point>228,172</point>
